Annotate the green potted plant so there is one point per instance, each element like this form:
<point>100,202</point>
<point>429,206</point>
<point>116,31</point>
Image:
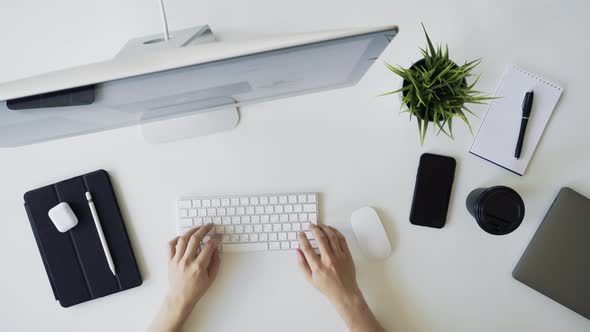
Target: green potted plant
<point>435,90</point>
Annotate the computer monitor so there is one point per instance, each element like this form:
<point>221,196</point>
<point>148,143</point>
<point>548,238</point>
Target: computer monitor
<point>141,86</point>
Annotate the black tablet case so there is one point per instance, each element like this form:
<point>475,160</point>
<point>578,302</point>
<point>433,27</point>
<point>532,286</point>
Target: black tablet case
<point>75,261</point>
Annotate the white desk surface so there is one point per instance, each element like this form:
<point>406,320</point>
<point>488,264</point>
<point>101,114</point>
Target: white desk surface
<point>348,144</point>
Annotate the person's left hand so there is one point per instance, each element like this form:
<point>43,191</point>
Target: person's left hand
<point>191,273</point>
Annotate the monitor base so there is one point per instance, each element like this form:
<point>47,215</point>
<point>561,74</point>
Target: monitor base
<point>190,126</point>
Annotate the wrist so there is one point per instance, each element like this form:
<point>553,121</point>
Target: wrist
<point>176,310</point>
<point>356,313</point>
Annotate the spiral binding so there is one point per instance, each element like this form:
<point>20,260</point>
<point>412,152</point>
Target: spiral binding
<point>538,78</point>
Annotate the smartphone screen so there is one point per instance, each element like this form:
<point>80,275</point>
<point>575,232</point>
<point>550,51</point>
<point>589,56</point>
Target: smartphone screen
<point>432,191</point>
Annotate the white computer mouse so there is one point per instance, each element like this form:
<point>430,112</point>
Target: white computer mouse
<point>63,217</point>
<point>370,234</point>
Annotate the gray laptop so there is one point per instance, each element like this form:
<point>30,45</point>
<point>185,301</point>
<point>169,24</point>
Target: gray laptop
<point>557,261</point>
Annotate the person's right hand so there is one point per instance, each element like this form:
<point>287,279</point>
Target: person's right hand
<point>333,273</point>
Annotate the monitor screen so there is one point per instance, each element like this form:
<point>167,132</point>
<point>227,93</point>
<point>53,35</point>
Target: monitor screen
<point>235,81</point>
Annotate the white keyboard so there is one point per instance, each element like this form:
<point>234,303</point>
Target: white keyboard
<point>252,222</point>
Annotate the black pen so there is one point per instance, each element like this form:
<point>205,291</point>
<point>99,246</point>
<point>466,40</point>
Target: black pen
<point>527,104</point>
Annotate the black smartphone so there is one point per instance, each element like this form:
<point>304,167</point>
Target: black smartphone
<point>432,191</point>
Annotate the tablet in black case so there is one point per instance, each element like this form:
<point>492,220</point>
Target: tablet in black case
<point>75,262</point>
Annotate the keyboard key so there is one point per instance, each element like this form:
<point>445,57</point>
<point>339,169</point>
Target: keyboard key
<point>296,226</point>
<point>224,202</point>
<point>283,199</point>
<point>302,199</point>
<point>294,244</point>
<point>217,221</point>
<point>239,229</point>
<point>274,246</point>
<point>284,245</point>
<point>287,227</point>
<point>186,222</point>
<point>248,228</point>
<point>192,212</point>
<point>245,219</point>
<point>309,207</point>
<point>226,220</point>
<point>219,229</point>
<point>298,208</point>
<point>269,209</point>
<point>198,222</point>
<point>240,210</point>
<point>311,198</point>
<point>244,238</point>
<point>244,201</point>
<point>244,247</point>
<point>288,208</point>
<point>256,219</point>
<point>254,237</point>
<point>207,220</point>
<point>259,209</point>
<point>292,236</point>
<point>211,212</point>
<point>277,227</point>
<point>264,200</point>
<point>229,229</point>
<point>267,228</point>
<point>279,209</point>
<point>216,202</point>
<point>314,244</point>
<point>284,218</point>
<point>202,212</point>
<point>257,228</point>
<point>184,204</point>
<point>221,211</point>
<point>274,218</point>
<point>235,238</point>
<point>206,203</point>
<point>250,210</point>
<point>272,237</point>
<point>254,201</point>
<point>313,218</point>
<point>292,199</point>
<point>183,213</point>
<point>305,226</point>
<point>282,236</point>
<point>303,217</point>
<point>293,217</point>
<point>235,201</point>
<point>196,203</point>
<point>231,211</point>
<point>235,220</point>
<point>225,239</point>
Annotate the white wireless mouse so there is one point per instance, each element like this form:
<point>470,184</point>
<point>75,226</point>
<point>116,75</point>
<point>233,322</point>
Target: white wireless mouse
<point>63,217</point>
<point>370,234</point>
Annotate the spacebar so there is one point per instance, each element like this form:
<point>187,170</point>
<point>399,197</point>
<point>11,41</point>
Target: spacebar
<point>242,247</point>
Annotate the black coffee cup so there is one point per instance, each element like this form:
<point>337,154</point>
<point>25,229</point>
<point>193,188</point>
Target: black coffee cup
<point>498,210</point>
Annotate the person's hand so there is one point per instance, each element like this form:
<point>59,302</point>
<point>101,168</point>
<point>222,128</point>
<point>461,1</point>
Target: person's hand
<point>190,274</point>
<point>333,273</point>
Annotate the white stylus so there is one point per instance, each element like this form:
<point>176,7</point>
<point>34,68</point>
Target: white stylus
<point>105,247</point>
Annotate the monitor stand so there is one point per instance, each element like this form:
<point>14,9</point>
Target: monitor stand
<point>198,123</point>
<point>188,126</point>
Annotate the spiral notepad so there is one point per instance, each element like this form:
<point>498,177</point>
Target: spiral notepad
<point>496,138</point>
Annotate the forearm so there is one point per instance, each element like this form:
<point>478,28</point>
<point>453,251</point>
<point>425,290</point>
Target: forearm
<point>357,315</point>
<point>171,316</point>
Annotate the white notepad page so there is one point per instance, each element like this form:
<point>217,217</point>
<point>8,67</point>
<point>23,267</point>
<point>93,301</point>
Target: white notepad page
<point>496,138</point>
